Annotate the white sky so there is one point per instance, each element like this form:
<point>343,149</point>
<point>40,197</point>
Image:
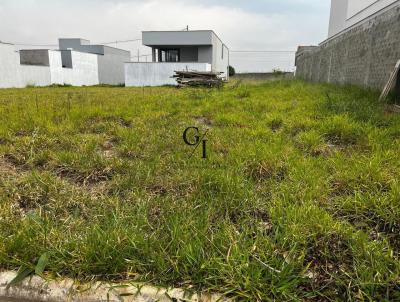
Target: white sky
<point>241,24</point>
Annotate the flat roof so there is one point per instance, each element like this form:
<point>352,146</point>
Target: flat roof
<point>186,31</point>
<point>95,45</point>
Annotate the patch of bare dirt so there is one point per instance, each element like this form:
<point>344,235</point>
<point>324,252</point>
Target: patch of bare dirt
<point>264,222</point>
<point>11,162</point>
<point>276,125</point>
<point>204,121</point>
<point>265,170</point>
<point>112,119</point>
<point>157,190</point>
<point>220,149</point>
<point>85,178</point>
<point>108,147</point>
<point>326,258</point>
<point>23,133</point>
<point>4,141</point>
<point>346,187</point>
<point>182,190</point>
<point>6,167</point>
<point>100,124</point>
<point>155,214</point>
<point>376,227</point>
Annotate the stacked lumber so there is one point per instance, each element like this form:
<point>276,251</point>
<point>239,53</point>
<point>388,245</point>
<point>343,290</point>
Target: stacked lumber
<point>198,78</point>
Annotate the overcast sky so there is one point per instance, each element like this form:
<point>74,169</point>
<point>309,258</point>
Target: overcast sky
<point>241,24</point>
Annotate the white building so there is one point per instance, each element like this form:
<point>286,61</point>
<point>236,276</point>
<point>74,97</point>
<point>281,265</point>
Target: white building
<point>200,50</point>
<point>43,67</point>
<point>110,60</point>
<point>347,13</point>
<point>363,46</point>
<point>77,63</point>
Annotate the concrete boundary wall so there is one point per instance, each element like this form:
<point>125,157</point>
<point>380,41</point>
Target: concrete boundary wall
<point>364,56</point>
<point>158,74</point>
<point>9,66</point>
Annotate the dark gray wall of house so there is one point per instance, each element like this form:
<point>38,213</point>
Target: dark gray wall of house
<point>66,58</point>
<point>364,55</point>
<point>72,43</point>
<point>189,54</point>
<point>34,57</point>
<point>206,54</point>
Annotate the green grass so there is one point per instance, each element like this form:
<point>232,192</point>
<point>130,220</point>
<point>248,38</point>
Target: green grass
<point>298,200</point>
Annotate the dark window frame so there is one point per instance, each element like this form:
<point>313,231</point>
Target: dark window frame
<point>168,56</point>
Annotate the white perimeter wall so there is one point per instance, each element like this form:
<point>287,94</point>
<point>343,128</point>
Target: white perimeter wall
<point>84,71</point>
<point>34,76</point>
<point>158,74</point>
<point>9,71</point>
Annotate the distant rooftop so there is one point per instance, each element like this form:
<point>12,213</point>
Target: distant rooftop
<point>181,38</point>
<point>84,45</point>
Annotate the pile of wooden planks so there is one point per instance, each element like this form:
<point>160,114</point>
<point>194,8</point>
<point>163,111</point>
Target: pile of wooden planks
<point>198,78</point>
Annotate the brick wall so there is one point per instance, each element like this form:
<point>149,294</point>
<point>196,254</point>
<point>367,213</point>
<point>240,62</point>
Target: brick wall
<point>364,55</point>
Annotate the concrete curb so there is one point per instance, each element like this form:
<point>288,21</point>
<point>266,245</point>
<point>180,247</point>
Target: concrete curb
<point>66,290</point>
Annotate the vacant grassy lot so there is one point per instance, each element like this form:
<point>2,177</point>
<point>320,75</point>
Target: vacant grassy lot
<point>298,200</point>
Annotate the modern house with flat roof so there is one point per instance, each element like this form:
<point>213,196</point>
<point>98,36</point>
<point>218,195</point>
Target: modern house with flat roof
<point>362,47</point>
<point>197,50</point>
<point>76,63</point>
<point>44,67</point>
<point>110,60</point>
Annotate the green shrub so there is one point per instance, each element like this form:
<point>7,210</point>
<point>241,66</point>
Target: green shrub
<point>232,71</point>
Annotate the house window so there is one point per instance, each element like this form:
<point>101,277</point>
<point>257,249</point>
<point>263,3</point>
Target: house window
<point>169,55</point>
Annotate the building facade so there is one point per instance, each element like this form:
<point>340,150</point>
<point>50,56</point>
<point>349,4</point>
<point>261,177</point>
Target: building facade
<point>110,60</point>
<point>43,67</point>
<point>76,63</point>
<point>346,13</point>
<point>362,47</point>
<point>173,51</point>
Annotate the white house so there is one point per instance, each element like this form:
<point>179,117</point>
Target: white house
<point>43,67</point>
<point>362,48</point>
<point>110,60</point>
<point>199,50</point>
<point>347,13</point>
<point>76,63</point>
